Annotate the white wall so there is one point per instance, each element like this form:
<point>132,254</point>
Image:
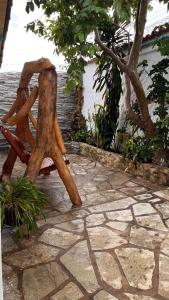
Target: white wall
<point>91,97</point>
<point>153,56</point>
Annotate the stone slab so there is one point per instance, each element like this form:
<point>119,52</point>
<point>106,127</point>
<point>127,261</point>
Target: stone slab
<point>121,215</point>
<point>78,262</point>
<point>59,238</point>
<point>72,226</point>
<point>165,246</point>
<point>41,280</point>
<point>139,297</point>
<point>151,221</point>
<point>138,266</point>
<point>143,197</point>
<point>69,292</point>
<point>114,205</point>
<point>103,295</point>
<point>103,238</point>
<point>10,284</point>
<point>164,276</point>
<point>95,198</point>
<point>143,209</point>
<point>154,200</point>
<point>163,194</point>
<point>57,219</point>
<point>117,225</point>
<point>164,209</point>
<point>112,194</point>
<point>131,191</point>
<point>31,256</point>
<point>142,237</point>
<point>95,220</point>
<point>109,269</point>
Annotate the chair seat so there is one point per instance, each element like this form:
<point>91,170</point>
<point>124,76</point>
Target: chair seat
<point>47,164</point>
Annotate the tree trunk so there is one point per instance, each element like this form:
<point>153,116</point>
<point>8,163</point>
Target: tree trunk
<point>147,123</point>
<point>129,68</point>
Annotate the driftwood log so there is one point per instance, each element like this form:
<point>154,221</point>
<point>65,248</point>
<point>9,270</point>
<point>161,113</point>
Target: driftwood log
<point>49,141</point>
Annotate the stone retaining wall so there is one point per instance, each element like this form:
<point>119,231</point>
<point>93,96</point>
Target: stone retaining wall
<point>65,103</point>
<point>154,173</point>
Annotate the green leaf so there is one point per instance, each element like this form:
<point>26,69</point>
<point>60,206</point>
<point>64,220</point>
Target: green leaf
<point>29,6</point>
<point>37,3</point>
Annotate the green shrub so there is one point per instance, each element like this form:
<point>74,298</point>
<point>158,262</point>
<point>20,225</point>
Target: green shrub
<point>139,149</point>
<point>85,136</point>
<point>21,202</point>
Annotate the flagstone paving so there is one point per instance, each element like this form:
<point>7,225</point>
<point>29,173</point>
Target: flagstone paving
<point>115,247</point>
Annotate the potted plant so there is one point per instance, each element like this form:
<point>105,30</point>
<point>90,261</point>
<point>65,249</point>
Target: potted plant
<point>21,203</point>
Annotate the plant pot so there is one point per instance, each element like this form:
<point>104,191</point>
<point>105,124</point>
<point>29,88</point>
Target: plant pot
<point>10,217</point>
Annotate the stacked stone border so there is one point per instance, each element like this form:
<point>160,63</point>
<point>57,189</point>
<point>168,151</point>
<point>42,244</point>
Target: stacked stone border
<point>154,173</point>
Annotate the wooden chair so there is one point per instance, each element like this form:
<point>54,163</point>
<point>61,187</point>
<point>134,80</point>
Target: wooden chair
<point>17,145</point>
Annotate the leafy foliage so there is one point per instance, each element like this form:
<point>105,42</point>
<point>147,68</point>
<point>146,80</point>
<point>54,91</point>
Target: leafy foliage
<point>69,25</point>
<point>84,136</point>
<point>104,127</point>
<point>107,115</point>
<point>159,94</point>
<point>23,201</point>
<point>139,149</point>
<point>163,47</point>
<point>162,42</point>
<point>108,81</point>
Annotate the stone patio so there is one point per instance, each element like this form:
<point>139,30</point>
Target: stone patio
<point>116,246</point>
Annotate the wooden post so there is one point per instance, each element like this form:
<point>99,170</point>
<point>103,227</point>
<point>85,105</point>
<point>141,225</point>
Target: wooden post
<point>58,136</point>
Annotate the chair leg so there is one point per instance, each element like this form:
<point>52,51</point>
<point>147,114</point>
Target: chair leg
<point>8,165</point>
<point>65,175</point>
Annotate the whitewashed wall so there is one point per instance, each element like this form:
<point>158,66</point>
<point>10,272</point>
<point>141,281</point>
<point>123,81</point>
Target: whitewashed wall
<point>65,103</point>
<point>153,56</point>
<point>91,97</point>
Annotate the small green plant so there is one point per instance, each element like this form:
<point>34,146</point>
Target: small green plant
<point>104,127</point>
<point>83,136</point>
<point>139,149</point>
<point>21,203</point>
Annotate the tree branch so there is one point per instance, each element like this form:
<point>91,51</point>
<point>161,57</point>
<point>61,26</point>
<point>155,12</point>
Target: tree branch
<point>140,25</point>
<point>137,15</point>
<point>110,52</point>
